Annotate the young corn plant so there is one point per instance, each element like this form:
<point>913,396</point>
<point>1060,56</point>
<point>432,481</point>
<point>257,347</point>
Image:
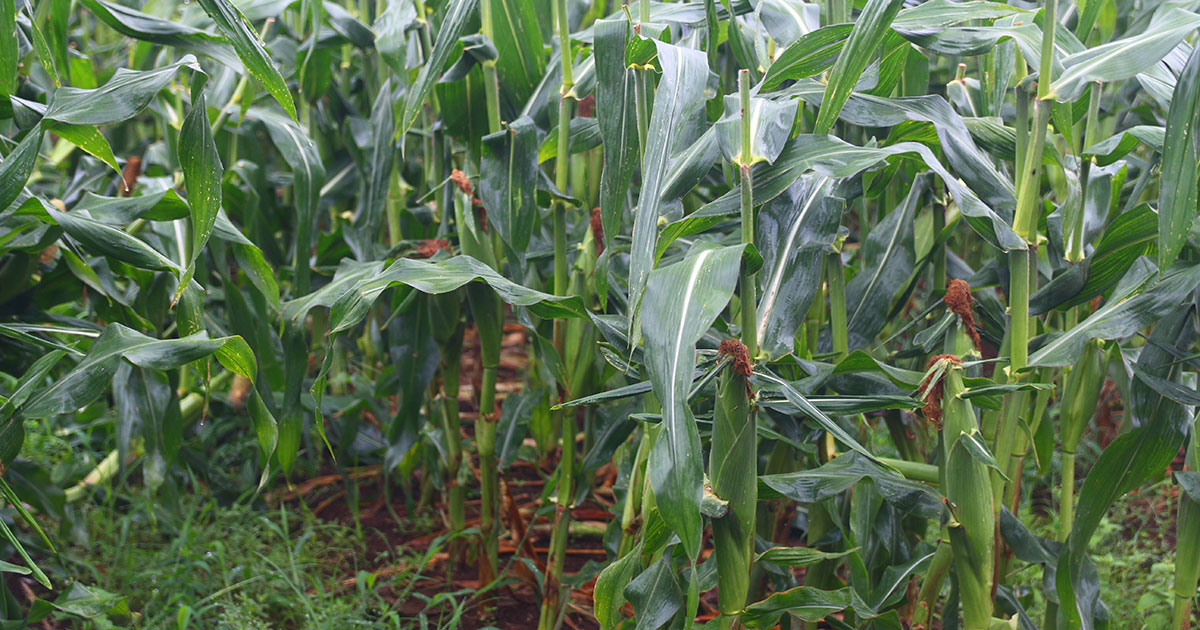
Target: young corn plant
<point>807,297</point>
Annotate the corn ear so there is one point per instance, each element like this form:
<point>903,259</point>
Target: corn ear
<point>972,532</point>
<point>1081,393</point>
<point>732,471</point>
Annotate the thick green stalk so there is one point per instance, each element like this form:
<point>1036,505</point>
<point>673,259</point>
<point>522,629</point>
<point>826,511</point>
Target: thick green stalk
<point>488,313</point>
<point>489,321</point>
<point>931,586</point>
<point>1075,243</point>
<point>972,529</point>
<point>1080,396</point>
<point>837,303</point>
<point>553,592</point>
<point>491,81</point>
<point>1021,448</point>
<point>633,496</point>
<point>746,287</point>
<point>733,468</point>
<point>445,313</point>
<point>396,201</point>
<point>914,471</point>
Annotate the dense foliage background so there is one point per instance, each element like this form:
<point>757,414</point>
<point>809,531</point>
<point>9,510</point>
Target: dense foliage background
<point>744,313</point>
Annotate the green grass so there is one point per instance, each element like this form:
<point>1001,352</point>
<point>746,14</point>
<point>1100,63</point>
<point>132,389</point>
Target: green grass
<point>205,565</point>
<point>1134,556</point>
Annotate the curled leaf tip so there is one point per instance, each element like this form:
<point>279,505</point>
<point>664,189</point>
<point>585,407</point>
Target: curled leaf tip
<point>958,299</point>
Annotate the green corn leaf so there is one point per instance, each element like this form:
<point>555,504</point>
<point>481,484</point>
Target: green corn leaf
<point>18,166</point>
<point>1125,240</point>
<point>798,556</point>
<point>25,388</point>
<point>142,26</point>
<point>124,96</point>
<point>1131,460</point>
<point>834,477</point>
<point>308,175</point>
<point>390,37</point>
<point>510,169</point>
<point>379,160</point>
<point>1177,197</point>
<point>655,595</point>
<point>1124,58</point>
<point>516,33</point>
<point>804,602</point>
<point>889,258</point>
<point>584,135</point>
<point>1122,143</point>
<point>202,174</point>
<point>807,408</point>
<point>808,56</point>
<point>831,157</point>
<point>868,32</point>
<point>258,63</point>
<point>453,26</point>
<point>677,103</point>
<point>1119,318</point>
<point>681,302</point>
<point>794,230</point>
<point>609,594</point>
<point>8,50</point>
<point>109,241</point>
<point>91,376</point>
<point>770,128</point>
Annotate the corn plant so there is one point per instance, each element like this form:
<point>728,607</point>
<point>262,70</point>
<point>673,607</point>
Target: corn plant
<point>829,285</point>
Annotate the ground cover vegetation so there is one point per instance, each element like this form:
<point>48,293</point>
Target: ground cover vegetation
<point>564,313</point>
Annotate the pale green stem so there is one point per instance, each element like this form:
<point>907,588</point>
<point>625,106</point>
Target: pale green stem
<point>747,288</point>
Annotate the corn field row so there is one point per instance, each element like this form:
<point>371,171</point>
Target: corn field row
<point>852,274</point>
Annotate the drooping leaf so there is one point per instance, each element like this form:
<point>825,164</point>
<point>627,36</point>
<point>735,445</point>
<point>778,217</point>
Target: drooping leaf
<point>832,157</point>
<point>126,94</point>
<point>245,42</point>
<point>681,302</point>
<point>109,241</point>
<point>145,27</point>
<point>1120,318</point>
<point>202,174</point>
<point>793,231</point>
<point>677,103</point>
<point>510,170</point>
<point>453,25</point>
<point>869,30</point>
<point>91,376</point>
<point>805,602</point>
<point>1124,58</point>
<point>1177,196</point>
<point>889,257</point>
